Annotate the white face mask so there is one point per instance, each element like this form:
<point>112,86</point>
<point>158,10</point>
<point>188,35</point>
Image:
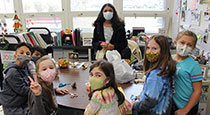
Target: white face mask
<point>183,50</point>
<point>108,15</point>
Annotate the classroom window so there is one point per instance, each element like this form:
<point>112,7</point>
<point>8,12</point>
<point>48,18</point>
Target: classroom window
<point>41,6</point>
<point>144,5</point>
<point>87,24</point>
<point>6,6</point>
<point>88,5</point>
<point>53,24</point>
<point>150,24</point>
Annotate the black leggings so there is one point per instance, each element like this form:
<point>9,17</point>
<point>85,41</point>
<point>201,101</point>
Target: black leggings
<point>193,111</point>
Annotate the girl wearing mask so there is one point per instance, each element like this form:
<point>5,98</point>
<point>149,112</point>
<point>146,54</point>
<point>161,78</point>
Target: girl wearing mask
<point>105,98</point>
<point>109,32</point>
<point>42,98</point>
<point>159,67</point>
<point>188,79</point>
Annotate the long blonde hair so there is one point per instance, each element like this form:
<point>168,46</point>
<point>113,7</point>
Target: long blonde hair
<point>43,83</point>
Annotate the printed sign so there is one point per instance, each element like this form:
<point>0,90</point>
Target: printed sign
<point>6,57</point>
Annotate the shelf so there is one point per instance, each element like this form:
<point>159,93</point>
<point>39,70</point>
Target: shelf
<point>62,51</point>
<point>73,47</point>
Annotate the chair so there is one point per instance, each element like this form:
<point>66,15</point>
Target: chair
<point>135,50</point>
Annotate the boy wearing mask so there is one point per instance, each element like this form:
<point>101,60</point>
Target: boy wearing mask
<point>15,90</point>
<point>36,54</point>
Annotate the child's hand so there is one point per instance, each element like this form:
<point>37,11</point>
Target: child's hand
<point>73,95</point>
<point>62,91</point>
<point>35,86</point>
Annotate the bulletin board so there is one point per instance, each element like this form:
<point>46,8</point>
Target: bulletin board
<point>194,15</point>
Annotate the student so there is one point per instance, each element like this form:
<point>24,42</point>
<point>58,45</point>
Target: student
<point>42,98</point>
<point>188,79</point>
<point>105,98</point>
<point>159,67</point>
<point>37,53</point>
<point>109,32</point>
<point>15,90</point>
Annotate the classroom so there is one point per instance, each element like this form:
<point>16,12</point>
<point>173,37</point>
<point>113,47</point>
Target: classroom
<point>91,57</point>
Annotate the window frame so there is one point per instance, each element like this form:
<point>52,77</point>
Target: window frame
<point>66,15</point>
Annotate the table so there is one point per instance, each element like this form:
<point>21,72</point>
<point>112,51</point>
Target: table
<point>80,76</point>
<point>70,75</point>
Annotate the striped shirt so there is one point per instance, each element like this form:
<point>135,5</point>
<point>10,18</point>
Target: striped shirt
<point>187,72</point>
<point>109,106</point>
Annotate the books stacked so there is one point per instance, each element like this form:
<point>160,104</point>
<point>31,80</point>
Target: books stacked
<point>33,38</point>
<point>72,39</point>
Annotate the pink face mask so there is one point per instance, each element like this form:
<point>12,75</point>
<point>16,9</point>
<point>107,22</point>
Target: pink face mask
<point>48,75</point>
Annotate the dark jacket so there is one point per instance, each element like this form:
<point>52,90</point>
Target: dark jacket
<point>15,86</point>
<point>118,38</point>
<point>40,105</point>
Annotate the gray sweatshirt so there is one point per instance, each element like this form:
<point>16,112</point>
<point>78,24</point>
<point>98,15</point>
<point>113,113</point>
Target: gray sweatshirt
<point>15,86</point>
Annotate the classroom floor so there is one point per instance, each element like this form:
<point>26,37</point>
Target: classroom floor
<point>1,111</point>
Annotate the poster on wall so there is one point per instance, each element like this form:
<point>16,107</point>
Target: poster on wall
<point>183,16</point>
<point>6,57</point>
<point>205,37</point>
<point>184,5</point>
<point>195,17</point>
<point>206,16</point>
<point>188,20</point>
<point>193,5</point>
<point>204,41</point>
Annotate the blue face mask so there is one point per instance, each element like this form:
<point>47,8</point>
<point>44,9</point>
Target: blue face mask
<point>108,15</point>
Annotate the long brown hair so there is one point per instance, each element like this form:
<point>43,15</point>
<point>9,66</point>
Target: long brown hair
<point>108,70</point>
<point>43,83</point>
<point>164,62</point>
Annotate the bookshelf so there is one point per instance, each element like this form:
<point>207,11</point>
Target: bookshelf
<point>85,52</point>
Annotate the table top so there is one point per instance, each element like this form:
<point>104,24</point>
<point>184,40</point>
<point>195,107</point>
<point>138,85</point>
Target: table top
<point>80,76</point>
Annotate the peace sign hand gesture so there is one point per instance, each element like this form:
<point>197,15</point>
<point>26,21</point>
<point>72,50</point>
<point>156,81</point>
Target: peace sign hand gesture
<point>35,86</point>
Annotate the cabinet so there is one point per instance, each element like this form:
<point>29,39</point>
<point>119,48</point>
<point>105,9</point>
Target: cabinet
<point>85,52</point>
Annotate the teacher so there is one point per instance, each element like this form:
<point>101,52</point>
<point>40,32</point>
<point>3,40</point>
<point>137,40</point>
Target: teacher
<point>109,32</point>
